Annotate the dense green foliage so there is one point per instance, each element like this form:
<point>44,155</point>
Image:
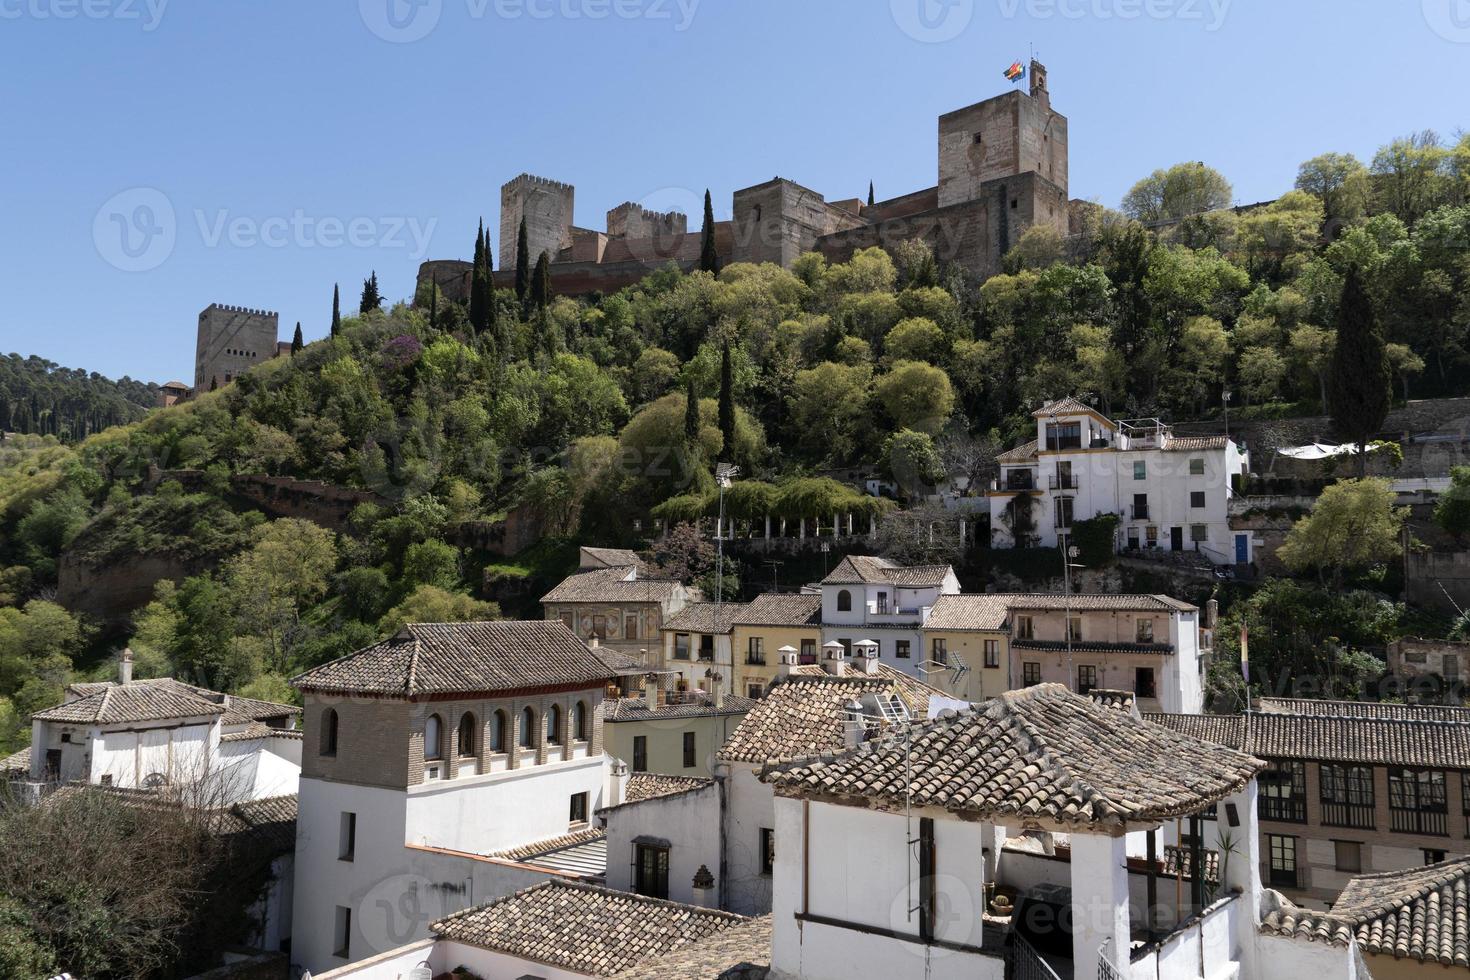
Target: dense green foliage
<point>42,398</point>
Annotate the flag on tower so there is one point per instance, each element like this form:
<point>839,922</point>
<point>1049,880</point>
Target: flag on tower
<point>1245,653</point>
<point>1016,72</point>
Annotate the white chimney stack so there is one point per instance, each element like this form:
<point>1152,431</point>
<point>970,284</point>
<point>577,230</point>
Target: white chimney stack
<point>786,661</point>
<point>125,666</point>
<point>834,659</point>
<point>865,656</point>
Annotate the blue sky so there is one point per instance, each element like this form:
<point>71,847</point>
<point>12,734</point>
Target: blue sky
<point>298,143</point>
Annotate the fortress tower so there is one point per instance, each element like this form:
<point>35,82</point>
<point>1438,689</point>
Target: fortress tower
<point>1005,136</point>
<point>547,207</point>
<point>232,340</point>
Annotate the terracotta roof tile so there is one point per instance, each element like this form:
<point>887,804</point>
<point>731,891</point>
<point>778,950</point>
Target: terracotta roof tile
<point>1041,757</point>
<point>1370,739</point>
<point>722,955</point>
<point>1363,709</point>
<point>968,612</point>
<point>704,617</point>
<point>1024,453</point>
<point>1064,406</point>
<point>237,709</point>
<point>645,786</point>
<point>866,570</point>
<point>611,585</point>
<point>122,703</point>
<point>1190,444</point>
<point>636,709</point>
<point>782,609</point>
<point>452,658</point>
<point>540,847</point>
<point>583,928</point>
<point>16,765</point>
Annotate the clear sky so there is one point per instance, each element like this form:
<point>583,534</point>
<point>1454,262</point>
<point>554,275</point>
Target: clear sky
<point>160,155</point>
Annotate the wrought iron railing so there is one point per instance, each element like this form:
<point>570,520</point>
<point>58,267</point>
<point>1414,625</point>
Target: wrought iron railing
<point>1023,962</point>
<point>1359,816</point>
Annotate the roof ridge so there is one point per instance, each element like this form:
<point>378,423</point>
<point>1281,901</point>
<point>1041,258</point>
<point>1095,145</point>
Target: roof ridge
<point>410,683</point>
<point>102,708</point>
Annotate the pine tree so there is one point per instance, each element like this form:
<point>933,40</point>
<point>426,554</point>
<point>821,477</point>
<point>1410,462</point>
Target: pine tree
<point>691,415</point>
<point>296,342</point>
<point>727,403</point>
<point>371,298</point>
<point>523,263</point>
<point>541,282</point>
<point>709,258</point>
<point>1361,383</point>
<point>871,200</point>
<point>336,309</point>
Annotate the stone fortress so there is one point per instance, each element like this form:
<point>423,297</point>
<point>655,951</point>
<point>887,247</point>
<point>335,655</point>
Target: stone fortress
<point>232,340</point>
<point>1002,169</point>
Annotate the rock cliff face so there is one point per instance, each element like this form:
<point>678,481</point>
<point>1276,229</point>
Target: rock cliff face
<point>111,593</point>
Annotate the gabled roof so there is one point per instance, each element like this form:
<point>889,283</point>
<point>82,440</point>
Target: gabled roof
<point>968,612</point>
<point>866,570</point>
<point>238,710</point>
<point>16,765</point>
<point>609,558</point>
<point>1095,602</point>
<point>1191,444</point>
<point>1024,453</point>
<point>645,786</point>
<point>782,609</point>
<point>1363,709</point>
<point>705,617</point>
<point>807,712</point>
<point>721,956</point>
<point>1065,406</point>
<point>584,929</point>
<point>637,709</point>
<point>123,703</point>
<point>460,658</point>
<point>1418,913</point>
<point>1042,756</point>
<point>623,584</point>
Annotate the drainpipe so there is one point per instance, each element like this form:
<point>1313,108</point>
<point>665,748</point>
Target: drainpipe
<point>720,772</point>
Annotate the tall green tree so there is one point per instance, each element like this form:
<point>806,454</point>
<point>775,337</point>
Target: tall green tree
<point>523,263</point>
<point>1361,383</point>
<point>727,401</point>
<point>871,200</point>
<point>336,309</point>
<point>691,415</point>
<point>541,282</point>
<point>1354,524</point>
<point>372,299</point>
<point>296,342</point>
<point>1181,190</point>
<point>709,258</point>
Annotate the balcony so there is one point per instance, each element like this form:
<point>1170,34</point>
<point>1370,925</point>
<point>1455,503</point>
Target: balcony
<point>1357,816</point>
<point>1062,481</point>
<point>1434,823</point>
<point>1138,513</point>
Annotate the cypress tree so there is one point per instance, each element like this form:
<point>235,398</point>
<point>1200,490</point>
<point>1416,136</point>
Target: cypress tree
<point>871,200</point>
<point>477,282</point>
<point>492,316</point>
<point>4,415</point>
<point>691,415</point>
<point>214,382</point>
<point>727,403</point>
<point>523,263</point>
<point>371,298</point>
<point>709,259</point>
<point>541,282</point>
<point>336,309</point>
<point>296,342</point>
<point>1361,382</point>
<point>433,307</point>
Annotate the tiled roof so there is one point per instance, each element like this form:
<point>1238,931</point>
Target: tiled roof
<point>866,570</point>
<point>1094,602</point>
<point>1381,741</point>
<point>1064,406</point>
<point>271,822</point>
<point>1189,444</point>
<point>968,612</point>
<point>645,786</point>
<point>238,710</point>
<point>704,617</point>
<point>1363,709</point>
<point>611,585</point>
<point>1092,646</point>
<point>257,729</point>
<point>807,712</point>
<point>636,709</point>
<point>17,764</point>
<point>1419,913</point>
<point>1118,700</point>
<point>1042,756</point>
<point>610,557</point>
<point>723,955</point>
<point>782,609</point>
<point>122,703</point>
<point>584,929</point>
<point>539,847</point>
<point>456,658</point>
<point>1024,453</point>
<point>618,662</point>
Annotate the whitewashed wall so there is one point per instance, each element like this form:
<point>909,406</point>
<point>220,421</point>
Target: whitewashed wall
<point>690,822</point>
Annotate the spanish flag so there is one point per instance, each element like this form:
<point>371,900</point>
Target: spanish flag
<point>1016,72</point>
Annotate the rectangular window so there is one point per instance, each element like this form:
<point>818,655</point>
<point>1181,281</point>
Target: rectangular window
<point>578,812</point>
<point>707,648</point>
<point>1151,536</point>
<point>1199,533</point>
<point>1074,628</point>
<point>1347,796</point>
<point>940,648</point>
<point>1140,470</point>
<point>1144,630</point>
<point>567,621</point>
<point>599,627</point>
<point>651,871</point>
<point>688,750</point>
<point>768,850</point>
<point>640,753</point>
<point>342,942</point>
<point>681,646</point>
<point>1064,512</point>
<point>1143,682</point>
<point>347,837</point>
<point>1030,673</point>
<point>1283,860</point>
<point>1433,856</point>
<point>992,653</point>
<point>755,691</point>
<point>1196,499</point>
<point>881,606</point>
<point>1064,435</point>
<point>1416,802</point>
<point>1140,506</point>
<point>1086,678</point>
<point>1348,856</point>
<point>630,626</point>
<point>901,649</point>
<point>808,654</point>
<point>1025,628</point>
<point>1283,791</point>
<point>1197,466</point>
<point>755,651</point>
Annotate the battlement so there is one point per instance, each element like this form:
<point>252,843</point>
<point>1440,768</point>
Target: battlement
<point>226,308</point>
<point>634,221</point>
<point>531,180</point>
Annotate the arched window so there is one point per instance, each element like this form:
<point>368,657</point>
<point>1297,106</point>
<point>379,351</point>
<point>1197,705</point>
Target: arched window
<point>844,601</point>
<point>329,732</point>
<point>433,738</point>
<point>528,729</point>
<point>580,729</point>
<point>553,725</point>
<point>497,733</point>
<point>467,734</point>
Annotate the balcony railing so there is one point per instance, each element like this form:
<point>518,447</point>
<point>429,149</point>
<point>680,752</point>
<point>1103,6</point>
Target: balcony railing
<point>755,659</point>
<point>1025,963</point>
<point>1062,481</point>
<point>1283,808</point>
<point>1358,816</point>
<point>1286,878</point>
<point>1432,822</point>
<point>1138,513</point>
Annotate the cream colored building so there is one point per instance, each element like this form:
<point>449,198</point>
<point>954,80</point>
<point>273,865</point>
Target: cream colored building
<point>697,646</point>
<point>765,625</point>
<point>622,606</point>
<point>675,736</point>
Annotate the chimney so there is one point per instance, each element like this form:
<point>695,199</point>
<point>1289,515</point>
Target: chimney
<point>617,783</point>
<point>125,666</point>
<point>1212,613</point>
<point>834,659</point>
<point>717,689</point>
<point>704,888</point>
<point>865,657</point>
<point>786,660</point>
<point>593,642</point>
<point>651,691</point>
<point>853,728</point>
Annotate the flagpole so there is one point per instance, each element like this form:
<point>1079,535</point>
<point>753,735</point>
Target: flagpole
<point>1245,661</point>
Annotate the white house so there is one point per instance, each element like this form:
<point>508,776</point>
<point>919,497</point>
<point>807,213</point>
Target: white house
<point>445,766</point>
<point>1171,493</point>
<point>875,599</point>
